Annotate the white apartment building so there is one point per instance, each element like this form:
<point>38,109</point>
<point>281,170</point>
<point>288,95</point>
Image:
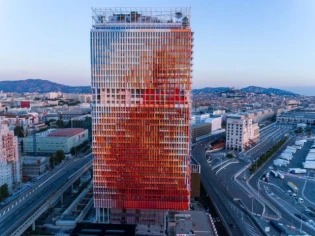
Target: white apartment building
<point>241,132</point>
<point>10,164</point>
<point>52,95</point>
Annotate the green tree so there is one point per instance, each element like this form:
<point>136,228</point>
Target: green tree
<point>229,155</point>
<point>4,191</point>
<point>72,151</point>
<point>60,156</point>
<point>60,123</point>
<point>52,161</point>
<point>18,131</point>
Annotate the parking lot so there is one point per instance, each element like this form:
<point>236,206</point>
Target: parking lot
<point>294,203</point>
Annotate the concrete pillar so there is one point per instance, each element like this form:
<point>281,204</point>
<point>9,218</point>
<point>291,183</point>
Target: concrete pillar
<point>61,198</point>
<point>71,188</point>
<point>33,226</point>
<point>108,216</point>
<point>97,215</point>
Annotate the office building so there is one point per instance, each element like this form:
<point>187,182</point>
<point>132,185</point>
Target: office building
<point>204,128</point>
<point>141,82</point>
<point>84,122</point>
<point>10,164</point>
<point>241,132</point>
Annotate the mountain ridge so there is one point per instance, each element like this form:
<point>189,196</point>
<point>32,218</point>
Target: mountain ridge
<point>40,86</point>
<point>249,89</point>
<point>46,86</point>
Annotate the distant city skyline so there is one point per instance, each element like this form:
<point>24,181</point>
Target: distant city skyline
<point>237,43</point>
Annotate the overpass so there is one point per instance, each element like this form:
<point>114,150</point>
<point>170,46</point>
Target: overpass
<point>23,213</point>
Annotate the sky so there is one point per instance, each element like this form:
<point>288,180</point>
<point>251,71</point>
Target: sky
<point>236,42</point>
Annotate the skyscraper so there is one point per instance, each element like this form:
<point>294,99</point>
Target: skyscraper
<point>141,81</point>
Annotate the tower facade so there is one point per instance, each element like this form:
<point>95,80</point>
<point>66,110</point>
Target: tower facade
<point>141,63</point>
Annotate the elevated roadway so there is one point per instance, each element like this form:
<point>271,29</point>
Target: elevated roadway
<point>24,213</point>
<point>221,197</point>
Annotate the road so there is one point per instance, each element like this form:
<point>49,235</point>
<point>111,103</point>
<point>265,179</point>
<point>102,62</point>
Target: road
<point>221,196</point>
<point>41,195</point>
<point>287,218</point>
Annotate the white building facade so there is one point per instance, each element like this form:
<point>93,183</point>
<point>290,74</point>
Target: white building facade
<point>241,132</point>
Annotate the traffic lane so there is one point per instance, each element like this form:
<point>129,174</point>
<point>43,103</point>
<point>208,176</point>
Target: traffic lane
<point>27,208</point>
<point>288,218</point>
<point>227,178</point>
<point>49,182</point>
<point>217,191</point>
<point>273,137</point>
<point>40,196</point>
<point>37,183</point>
<point>220,206</point>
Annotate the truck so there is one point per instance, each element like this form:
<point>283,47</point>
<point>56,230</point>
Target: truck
<point>298,143</point>
<point>293,187</point>
<point>297,171</point>
<point>281,176</point>
<point>279,160</point>
<point>275,173</point>
<point>287,154</point>
<point>279,164</point>
<point>278,227</point>
<point>292,147</point>
<point>297,147</point>
<point>290,150</point>
<point>312,154</point>
<point>309,164</point>
<point>285,158</point>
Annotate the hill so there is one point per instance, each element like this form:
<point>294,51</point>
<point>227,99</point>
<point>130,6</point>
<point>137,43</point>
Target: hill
<point>40,86</point>
<point>255,89</point>
<point>211,90</point>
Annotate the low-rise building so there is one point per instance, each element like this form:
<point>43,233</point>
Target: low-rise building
<point>48,142</point>
<point>297,117</point>
<point>205,127</point>
<point>34,166</point>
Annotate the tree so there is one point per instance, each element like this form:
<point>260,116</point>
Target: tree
<point>60,123</point>
<point>18,131</point>
<point>229,155</point>
<point>4,191</point>
<point>52,161</point>
<point>60,156</point>
<point>72,151</point>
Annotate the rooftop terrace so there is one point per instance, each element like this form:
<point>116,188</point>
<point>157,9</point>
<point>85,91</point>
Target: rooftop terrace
<point>150,17</point>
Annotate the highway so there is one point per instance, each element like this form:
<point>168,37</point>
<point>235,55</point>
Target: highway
<point>42,194</point>
<point>221,196</point>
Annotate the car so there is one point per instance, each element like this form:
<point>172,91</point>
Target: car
<point>233,226</point>
<point>218,219</point>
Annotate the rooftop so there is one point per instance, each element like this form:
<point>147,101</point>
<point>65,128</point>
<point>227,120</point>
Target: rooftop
<point>149,17</point>
<point>298,115</point>
<point>81,117</point>
<point>104,229</point>
<point>68,132</point>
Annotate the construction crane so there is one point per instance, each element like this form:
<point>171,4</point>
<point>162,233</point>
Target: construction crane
<point>34,136</point>
<point>24,142</point>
